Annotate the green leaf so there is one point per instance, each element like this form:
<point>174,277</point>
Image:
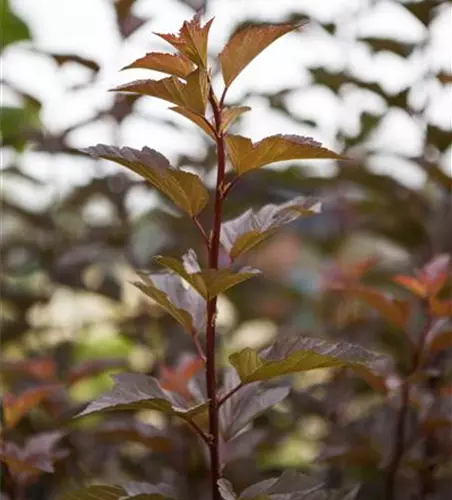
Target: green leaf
<point>96,492</point>
<point>251,228</point>
<point>229,115</point>
<point>191,95</point>
<point>191,39</point>
<point>247,44</point>
<point>198,120</point>
<point>13,28</point>
<point>207,282</point>
<point>173,64</point>
<point>184,304</point>
<point>246,404</point>
<point>246,155</point>
<point>184,189</point>
<point>297,354</point>
<point>134,391</point>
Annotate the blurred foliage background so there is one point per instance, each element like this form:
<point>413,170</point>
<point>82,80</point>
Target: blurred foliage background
<point>369,78</point>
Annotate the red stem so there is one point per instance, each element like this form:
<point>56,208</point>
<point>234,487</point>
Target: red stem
<point>223,399</point>
<point>214,248</point>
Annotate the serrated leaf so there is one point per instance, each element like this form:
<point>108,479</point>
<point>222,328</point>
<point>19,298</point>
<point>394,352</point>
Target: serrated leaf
<point>247,44</point>
<point>297,354</point>
<point>140,392</point>
<point>198,120</point>
<point>191,95</point>
<point>229,115</point>
<point>252,227</point>
<point>246,155</point>
<point>173,64</point>
<point>184,189</point>
<point>246,404</point>
<point>191,39</point>
<point>209,283</point>
<point>184,304</point>
<point>95,492</point>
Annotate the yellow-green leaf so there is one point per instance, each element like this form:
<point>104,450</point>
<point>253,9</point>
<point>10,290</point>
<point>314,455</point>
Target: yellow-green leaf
<point>184,189</point>
<point>191,39</point>
<point>246,155</point>
<point>191,95</point>
<point>248,43</point>
<point>229,115</point>
<point>209,283</point>
<point>198,120</point>
<point>173,64</point>
<point>292,355</point>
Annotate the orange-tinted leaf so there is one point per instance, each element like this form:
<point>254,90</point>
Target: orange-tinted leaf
<point>196,119</point>
<point>441,340</point>
<point>191,39</point>
<point>411,284</point>
<point>229,115</point>
<point>184,189</point>
<point>173,64</point>
<point>40,368</point>
<point>248,43</point>
<point>441,307</point>
<point>394,311</point>
<point>176,380</point>
<point>191,95</point>
<point>14,408</point>
<point>246,156</point>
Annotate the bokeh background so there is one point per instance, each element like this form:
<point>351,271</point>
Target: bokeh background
<point>369,78</point>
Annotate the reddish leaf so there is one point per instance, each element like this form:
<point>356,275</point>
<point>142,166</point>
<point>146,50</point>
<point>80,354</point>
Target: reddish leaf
<point>412,284</point>
<point>198,120</point>
<point>246,155</point>
<point>15,408</point>
<point>191,39</point>
<point>440,340</point>
<point>394,311</point>
<point>191,95</point>
<point>40,368</point>
<point>246,44</point>
<point>441,308</point>
<point>229,115</point>
<point>184,189</point>
<point>173,64</point>
<point>176,380</point>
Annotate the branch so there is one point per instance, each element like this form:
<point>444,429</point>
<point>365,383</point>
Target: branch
<point>229,394</point>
